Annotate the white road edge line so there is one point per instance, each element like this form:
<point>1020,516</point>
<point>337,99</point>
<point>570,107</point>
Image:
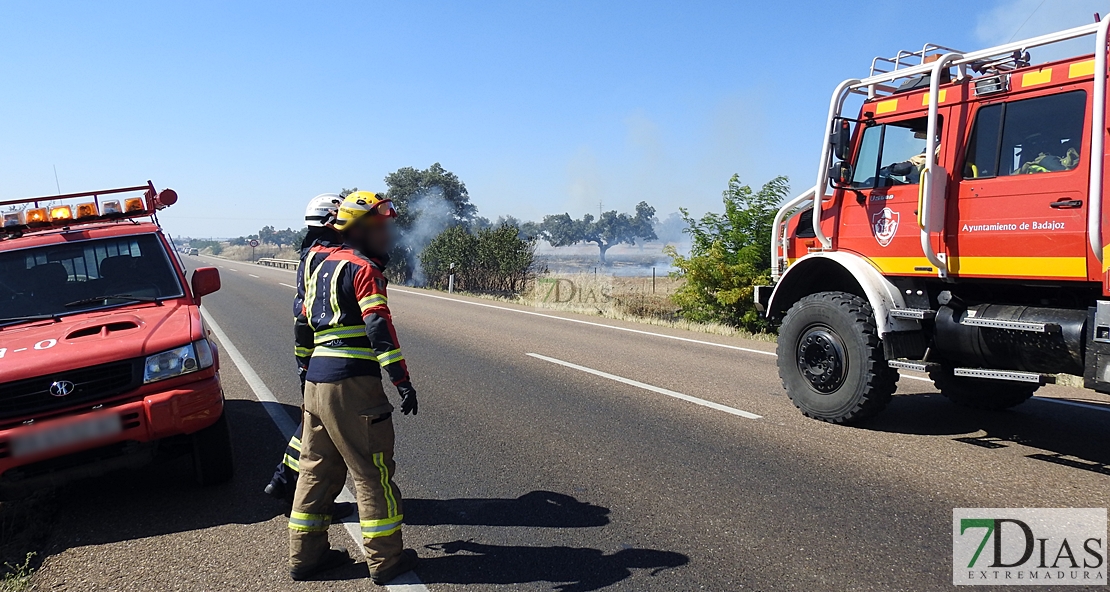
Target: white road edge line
<point>652,388</point>
<point>558,318</point>
<point>410,582</point>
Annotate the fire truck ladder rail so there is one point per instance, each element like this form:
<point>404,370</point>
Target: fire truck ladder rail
<point>1009,325</point>
<point>1010,375</point>
<point>916,314</point>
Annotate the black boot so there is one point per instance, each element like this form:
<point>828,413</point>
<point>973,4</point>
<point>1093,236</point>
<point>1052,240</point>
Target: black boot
<point>331,559</point>
<point>406,564</point>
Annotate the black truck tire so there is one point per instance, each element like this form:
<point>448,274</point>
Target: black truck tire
<point>831,359</point>
<point>980,393</point>
<point>212,460</point>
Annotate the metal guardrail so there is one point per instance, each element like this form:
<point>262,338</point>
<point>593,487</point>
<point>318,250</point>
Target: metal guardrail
<point>282,263</point>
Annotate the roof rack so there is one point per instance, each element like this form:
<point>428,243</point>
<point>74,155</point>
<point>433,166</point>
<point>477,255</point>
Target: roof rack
<point>44,213</point>
<point>914,64</point>
<point>905,58</point>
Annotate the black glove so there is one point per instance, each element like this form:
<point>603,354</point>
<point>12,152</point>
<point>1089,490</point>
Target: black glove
<point>408,398</point>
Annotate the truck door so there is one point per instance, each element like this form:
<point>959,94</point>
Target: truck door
<point>1021,206</point>
<point>881,224</point>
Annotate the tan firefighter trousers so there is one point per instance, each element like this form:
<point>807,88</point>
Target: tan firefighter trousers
<point>347,427</point>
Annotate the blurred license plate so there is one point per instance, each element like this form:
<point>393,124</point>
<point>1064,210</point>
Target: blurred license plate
<point>59,437</point>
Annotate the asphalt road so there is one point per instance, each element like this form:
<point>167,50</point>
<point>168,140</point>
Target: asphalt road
<point>525,473</point>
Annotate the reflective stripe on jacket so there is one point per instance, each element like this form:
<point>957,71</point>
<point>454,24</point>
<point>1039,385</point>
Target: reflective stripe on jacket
<point>346,307</point>
<point>303,344</point>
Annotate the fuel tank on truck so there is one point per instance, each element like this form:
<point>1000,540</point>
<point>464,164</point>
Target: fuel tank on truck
<point>1058,348</point>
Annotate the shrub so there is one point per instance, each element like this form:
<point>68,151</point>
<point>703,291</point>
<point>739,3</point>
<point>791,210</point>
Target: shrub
<point>491,260</point>
<point>729,256</point>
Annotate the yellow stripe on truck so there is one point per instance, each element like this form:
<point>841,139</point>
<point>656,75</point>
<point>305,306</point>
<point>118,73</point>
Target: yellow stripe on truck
<point>1038,267</point>
<point>1081,69</point>
<point>1042,76</point>
<point>943,97</point>
<point>888,106</point>
<point>1073,267</point>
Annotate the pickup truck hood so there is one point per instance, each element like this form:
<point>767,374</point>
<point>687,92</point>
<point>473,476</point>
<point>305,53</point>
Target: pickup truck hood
<point>88,339</point>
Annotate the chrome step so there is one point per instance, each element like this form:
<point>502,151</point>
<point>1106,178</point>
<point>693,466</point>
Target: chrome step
<point>910,365</point>
<point>1010,325</point>
<point>1011,375</point>
<point>917,314</point>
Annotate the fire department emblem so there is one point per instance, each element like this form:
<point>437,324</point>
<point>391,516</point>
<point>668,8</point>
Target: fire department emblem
<point>884,225</point>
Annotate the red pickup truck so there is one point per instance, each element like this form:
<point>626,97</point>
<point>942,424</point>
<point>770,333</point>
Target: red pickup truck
<point>104,358</point>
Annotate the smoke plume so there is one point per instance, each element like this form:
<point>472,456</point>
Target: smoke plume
<point>431,214</point>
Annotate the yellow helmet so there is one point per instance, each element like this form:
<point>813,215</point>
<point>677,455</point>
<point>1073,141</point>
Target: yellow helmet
<point>363,203</point>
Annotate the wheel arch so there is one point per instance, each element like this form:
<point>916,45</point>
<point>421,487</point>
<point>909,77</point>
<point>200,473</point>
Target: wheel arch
<point>840,272</point>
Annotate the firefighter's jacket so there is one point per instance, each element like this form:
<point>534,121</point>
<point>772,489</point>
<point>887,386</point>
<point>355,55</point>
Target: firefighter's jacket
<point>345,305</point>
<point>311,256</point>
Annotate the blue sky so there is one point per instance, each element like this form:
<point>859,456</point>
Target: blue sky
<point>248,109</point>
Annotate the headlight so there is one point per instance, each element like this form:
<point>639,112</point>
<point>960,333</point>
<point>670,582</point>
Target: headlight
<point>177,361</point>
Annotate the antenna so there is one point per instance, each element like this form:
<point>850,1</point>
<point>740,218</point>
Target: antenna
<point>56,183</point>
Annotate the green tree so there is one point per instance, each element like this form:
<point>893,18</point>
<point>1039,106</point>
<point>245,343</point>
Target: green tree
<point>407,184</point>
<point>607,230</point>
<point>427,202</point>
<point>729,256</point>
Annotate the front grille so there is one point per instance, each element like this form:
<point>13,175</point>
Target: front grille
<point>32,396</point>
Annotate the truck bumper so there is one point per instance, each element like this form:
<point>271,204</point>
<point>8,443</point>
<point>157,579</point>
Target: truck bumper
<point>143,421</point>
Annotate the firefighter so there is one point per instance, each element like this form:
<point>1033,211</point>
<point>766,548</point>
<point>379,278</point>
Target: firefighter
<point>320,240</point>
<point>348,422</point>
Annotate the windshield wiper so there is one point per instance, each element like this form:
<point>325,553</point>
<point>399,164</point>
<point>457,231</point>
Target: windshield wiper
<point>107,297</point>
<point>29,318</point>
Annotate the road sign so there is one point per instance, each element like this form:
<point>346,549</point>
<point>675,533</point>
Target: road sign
<point>254,242</point>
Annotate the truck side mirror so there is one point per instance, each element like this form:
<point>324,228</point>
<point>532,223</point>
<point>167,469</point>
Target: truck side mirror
<point>840,174</point>
<point>840,138</point>
<point>206,280</point>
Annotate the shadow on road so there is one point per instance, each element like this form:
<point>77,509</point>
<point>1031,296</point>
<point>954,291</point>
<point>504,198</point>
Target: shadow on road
<point>160,498</point>
<point>1068,435</point>
<point>572,569</point>
<point>538,508</point>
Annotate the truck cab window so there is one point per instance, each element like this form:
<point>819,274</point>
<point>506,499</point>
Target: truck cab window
<point>891,154</point>
<point>1040,135</point>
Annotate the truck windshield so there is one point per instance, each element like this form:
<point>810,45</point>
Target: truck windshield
<point>891,154</point>
<point>43,282</point>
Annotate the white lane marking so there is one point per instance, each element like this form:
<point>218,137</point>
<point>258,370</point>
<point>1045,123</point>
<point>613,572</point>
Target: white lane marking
<point>591,323</point>
<point>287,285</point>
<point>650,387</point>
<point>407,583</point>
<point>230,269</point>
<point>252,275</point>
<point>911,377</point>
<point>558,318</point>
<point>1072,403</point>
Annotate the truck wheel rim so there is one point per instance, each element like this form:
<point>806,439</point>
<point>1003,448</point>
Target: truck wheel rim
<point>821,358</point>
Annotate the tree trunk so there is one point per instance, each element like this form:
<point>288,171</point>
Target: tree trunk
<point>604,247</point>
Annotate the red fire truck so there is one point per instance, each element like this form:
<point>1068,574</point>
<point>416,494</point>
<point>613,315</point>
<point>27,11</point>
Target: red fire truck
<point>104,359</point>
<point>956,228</point>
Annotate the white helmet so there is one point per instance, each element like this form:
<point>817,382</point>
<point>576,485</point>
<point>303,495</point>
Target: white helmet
<point>321,208</point>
